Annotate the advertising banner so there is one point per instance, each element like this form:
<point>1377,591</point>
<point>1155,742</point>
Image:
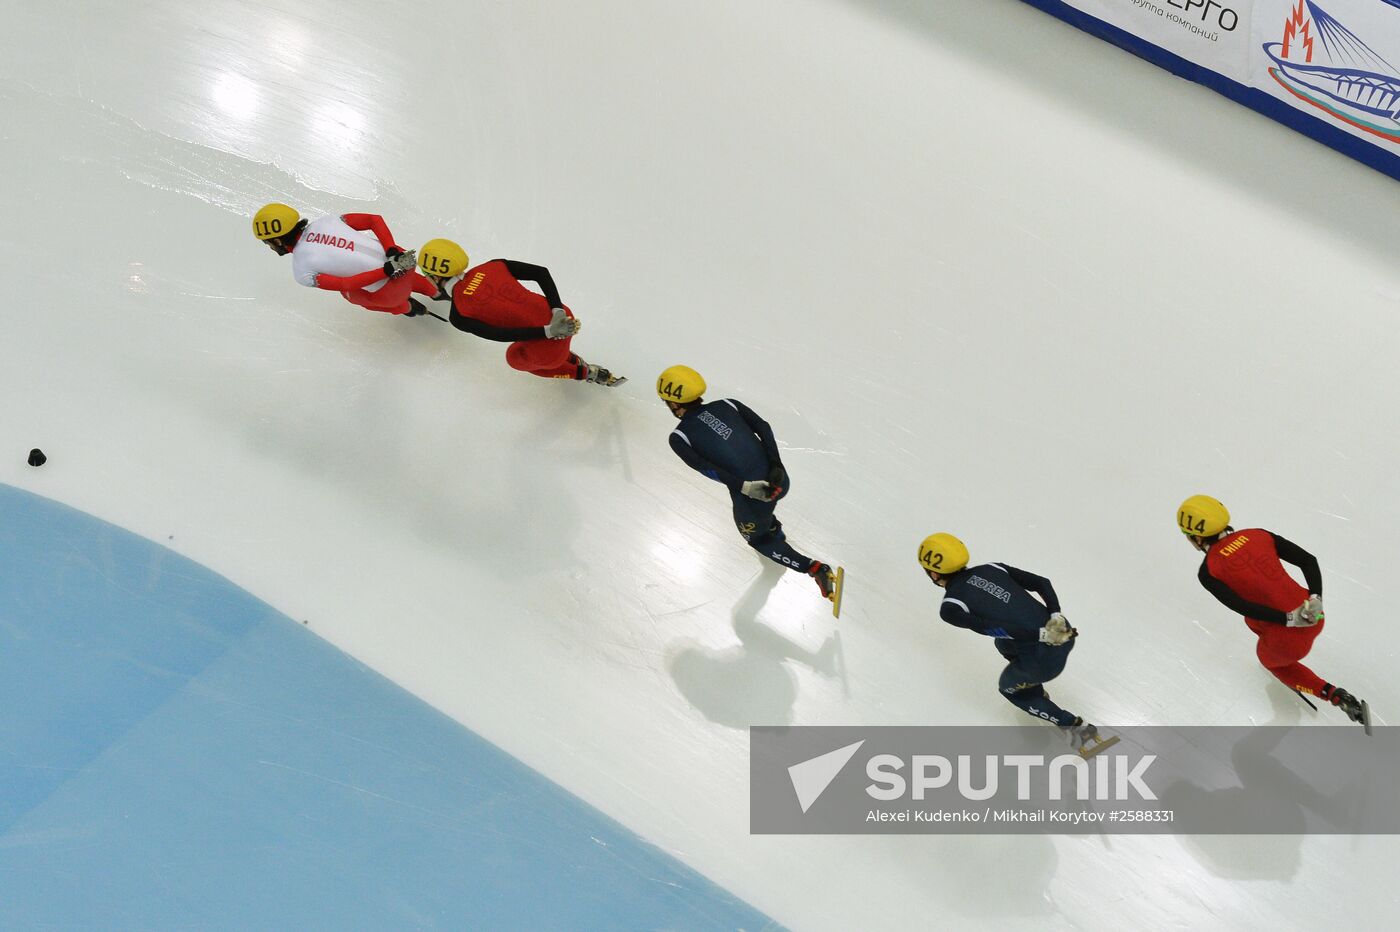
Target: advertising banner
<point>1327,68</point>
<point>1335,60</point>
<point>1214,34</point>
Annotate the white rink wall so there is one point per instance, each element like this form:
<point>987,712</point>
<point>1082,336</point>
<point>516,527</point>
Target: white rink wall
<point>981,272</point>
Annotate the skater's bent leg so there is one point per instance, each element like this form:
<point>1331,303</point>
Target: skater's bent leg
<point>1297,676</point>
<point>764,533</point>
<point>1279,650</point>
<point>1032,698</point>
<point>1020,683</point>
<point>775,547</point>
<point>1048,661</point>
<point>549,359</point>
<point>392,298</point>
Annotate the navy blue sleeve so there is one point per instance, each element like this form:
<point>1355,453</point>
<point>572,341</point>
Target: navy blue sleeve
<point>1037,584</point>
<point>761,428</point>
<point>956,612</point>
<point>704,467</point>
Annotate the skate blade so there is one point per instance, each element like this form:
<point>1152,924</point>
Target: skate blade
<point>1100,745</point>
<point>615,381</point>
<point>836,592</point>
<point>1365,716</point>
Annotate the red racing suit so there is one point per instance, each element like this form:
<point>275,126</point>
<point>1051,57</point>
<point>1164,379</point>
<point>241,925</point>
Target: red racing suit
<point>1243,569</point>
<point>392,296</point>
<point>489,301</point>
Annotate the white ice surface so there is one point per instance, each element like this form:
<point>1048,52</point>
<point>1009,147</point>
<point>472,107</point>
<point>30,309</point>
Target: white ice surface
<point>981,272</point>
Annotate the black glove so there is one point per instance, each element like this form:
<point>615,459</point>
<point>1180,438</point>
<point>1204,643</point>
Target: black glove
<point>777,478</point>
<point>415,309</point>
<point>393,252</point>
<point>400,263</point>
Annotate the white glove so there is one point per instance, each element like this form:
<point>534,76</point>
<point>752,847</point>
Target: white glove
<point>1057,631</point>
<point>1297,620</point>
<point>757,488</point>
<point>1305,616</point>
<point>561,325</point>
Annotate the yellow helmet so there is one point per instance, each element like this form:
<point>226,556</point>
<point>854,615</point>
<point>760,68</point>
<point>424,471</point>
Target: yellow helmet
<point>1202,516</point>
<point>680,384</point>
<point>274,220</point>
<point>943,554</point>
<point>442,258</point>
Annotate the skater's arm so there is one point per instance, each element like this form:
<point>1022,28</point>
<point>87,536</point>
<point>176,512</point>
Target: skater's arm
<point>348,282</point>
<point>1236,603</point>
<point>525,272</point>
<point>422,286</point>
<point>680,443</point>
<point>491,332</point>
<point>956,612</point>
<point>375,224</point>
<point>1287,550</point>
<point>761,428</point>
<point>1037,584</point>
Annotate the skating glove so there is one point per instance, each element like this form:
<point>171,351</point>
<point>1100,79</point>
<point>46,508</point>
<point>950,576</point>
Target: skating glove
<point>401,263</point>
<point>393,252</point>
<point>1307,614</point>
<point>561,325</point>
<point>757,489</point>
<point>1299,618</point>
<point>1056,631</point>
<point>777,478</point>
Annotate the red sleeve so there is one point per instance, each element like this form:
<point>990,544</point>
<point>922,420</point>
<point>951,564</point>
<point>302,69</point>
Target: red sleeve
<point>422,286</point>
<point>349,282</point>
<point>374,223</point>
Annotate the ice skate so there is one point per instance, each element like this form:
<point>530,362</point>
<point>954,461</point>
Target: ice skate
<point>600,376</point>
<point>1085,738</point>
<point>830,582</point>
<point>1356,709</point>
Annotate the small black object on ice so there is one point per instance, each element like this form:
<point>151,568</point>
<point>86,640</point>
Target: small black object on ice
<point>37,457</point>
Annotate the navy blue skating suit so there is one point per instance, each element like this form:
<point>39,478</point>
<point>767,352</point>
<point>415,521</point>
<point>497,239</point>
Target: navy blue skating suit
<point>995,599</point>
<point>726,441</point>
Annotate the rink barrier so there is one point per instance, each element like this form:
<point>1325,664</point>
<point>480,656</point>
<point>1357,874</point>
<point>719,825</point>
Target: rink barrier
<point>1383,155</point>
